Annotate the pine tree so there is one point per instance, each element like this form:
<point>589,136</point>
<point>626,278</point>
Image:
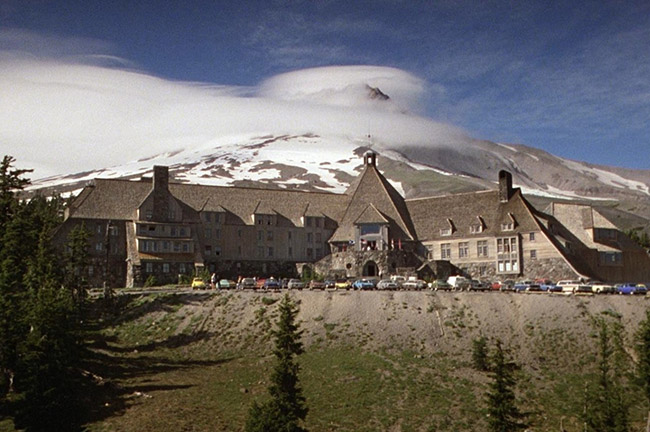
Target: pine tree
<point>286,408</point>
<point>11,181</point>
<point>606,410</point>
<point>77,262</point>
<point>504,416</point>
<point>480,360</point>
<point>643,352</point>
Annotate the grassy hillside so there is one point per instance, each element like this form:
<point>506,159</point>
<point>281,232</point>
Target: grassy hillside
<point>374,361</point>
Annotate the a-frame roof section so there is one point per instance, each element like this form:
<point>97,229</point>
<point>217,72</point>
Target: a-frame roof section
<point>372,188</point>
<point>371,216</point>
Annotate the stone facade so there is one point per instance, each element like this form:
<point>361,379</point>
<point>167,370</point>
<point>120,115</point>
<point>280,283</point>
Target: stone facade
<point>154,227</point>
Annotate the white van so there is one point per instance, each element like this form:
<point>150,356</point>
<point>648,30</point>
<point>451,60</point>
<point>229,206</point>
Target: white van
<point>458,282</point>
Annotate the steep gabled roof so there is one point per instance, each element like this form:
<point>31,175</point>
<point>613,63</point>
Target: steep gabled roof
<point>371,216</point>
<point>372,187</point>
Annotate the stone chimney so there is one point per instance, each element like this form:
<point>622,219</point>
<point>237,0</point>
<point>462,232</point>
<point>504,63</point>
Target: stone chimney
<point>505,186</point>
<point>370,158</point>
<point>160,190</point>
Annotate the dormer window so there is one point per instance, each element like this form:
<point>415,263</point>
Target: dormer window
<point>449,229</point>
<point>510,224</point>
<point>478,226</point>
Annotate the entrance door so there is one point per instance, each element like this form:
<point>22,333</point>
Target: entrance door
<point>370,269</point>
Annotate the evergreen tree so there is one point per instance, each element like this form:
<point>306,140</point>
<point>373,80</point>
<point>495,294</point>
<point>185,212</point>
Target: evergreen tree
<point>605,407</point>
<point>643,352</point>
<point>11,181</point>
<point>504,416</point>
<point>77,262</point>
<point>480,360</point>
<point>286,408</point>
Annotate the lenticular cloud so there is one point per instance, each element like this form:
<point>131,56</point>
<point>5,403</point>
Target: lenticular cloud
<point>62,117</point>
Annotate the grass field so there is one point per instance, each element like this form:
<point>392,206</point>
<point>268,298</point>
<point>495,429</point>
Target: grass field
<point>172,363</point>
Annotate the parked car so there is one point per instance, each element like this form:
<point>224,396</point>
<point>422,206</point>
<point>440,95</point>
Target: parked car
<point>583,289</point>
<point>342,284</point>
<point>247,283</point>
<point>477,285</point>
<point>601,287</point>
<point>631,288</point>
<point>458,282</point>
<point>271,283</point>
<point>546,285</point>
<point>568,285</point>
<point>314,284</point>
<point>414,284</point>
<point>295,284</point>
<point>399,280</point>
<point>329,283</point>
<point>226,284</point>
<point>198,283</point>
<point>440,285</point>
<point>506,285</point>
<point>387,284</point>
<point>363,284</point>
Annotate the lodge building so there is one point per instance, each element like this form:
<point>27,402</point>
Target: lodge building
<point>154,227</point>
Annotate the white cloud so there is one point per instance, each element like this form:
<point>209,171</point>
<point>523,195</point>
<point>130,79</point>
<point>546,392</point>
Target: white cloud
<point>73,115</point>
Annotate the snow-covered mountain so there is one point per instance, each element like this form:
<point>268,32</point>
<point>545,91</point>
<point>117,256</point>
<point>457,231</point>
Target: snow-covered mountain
<point>329,163</point>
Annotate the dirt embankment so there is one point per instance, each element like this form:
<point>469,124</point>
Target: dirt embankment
<point>537,327</point>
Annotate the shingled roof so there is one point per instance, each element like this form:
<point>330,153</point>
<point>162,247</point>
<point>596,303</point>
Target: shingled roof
<point>433,216</point>
<point>371,187</point>
<point>119,199</point>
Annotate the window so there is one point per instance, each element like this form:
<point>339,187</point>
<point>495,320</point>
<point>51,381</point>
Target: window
<point>207,217</point>
<point>99,246</point>
<point>172,215</point>
<point>148,267</point>
<point>114,230</point>
<point>182,232</point>
<point>290,251</point>
<point>165,267</point>
<point>445,231</point>
<point>148,214</point>
<point>307,221</point>
<point>217,233</point>
<point>463,250</point>
<point>445,251</point>
<point>181,268</point>
<point>475,229</point>
<point>217,251</point>
<point>177,247</point>
<point>507,226</point>
<point>186,247</point>
<point>208,233</point>
<point>152,228</point>
<point>208,250</point>
<point>99,228</point>
<point>239,250</point>
<point>91,270</point>
<point>319,252</point>
<point>309,237</point>
<point>269,235</point>
<point>173,231</point>
<point>370,229</point>
<point>165,245</point>
<point>217,218</point>
<point>239,233</point>
<point>310,252</point>
<point>317,222</point>
<point>531,236</point>
<point>269,220</point>
<point>259,220</point>
<point>260,235</point>
<point>318,237</point>
<point>270,252</point>
<point>482,248</point>
<point>260,251</point>
<point>289,235</point>
<point>533,255</point>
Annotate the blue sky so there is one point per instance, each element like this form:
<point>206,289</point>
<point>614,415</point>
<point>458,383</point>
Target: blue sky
<point>572,78</point>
